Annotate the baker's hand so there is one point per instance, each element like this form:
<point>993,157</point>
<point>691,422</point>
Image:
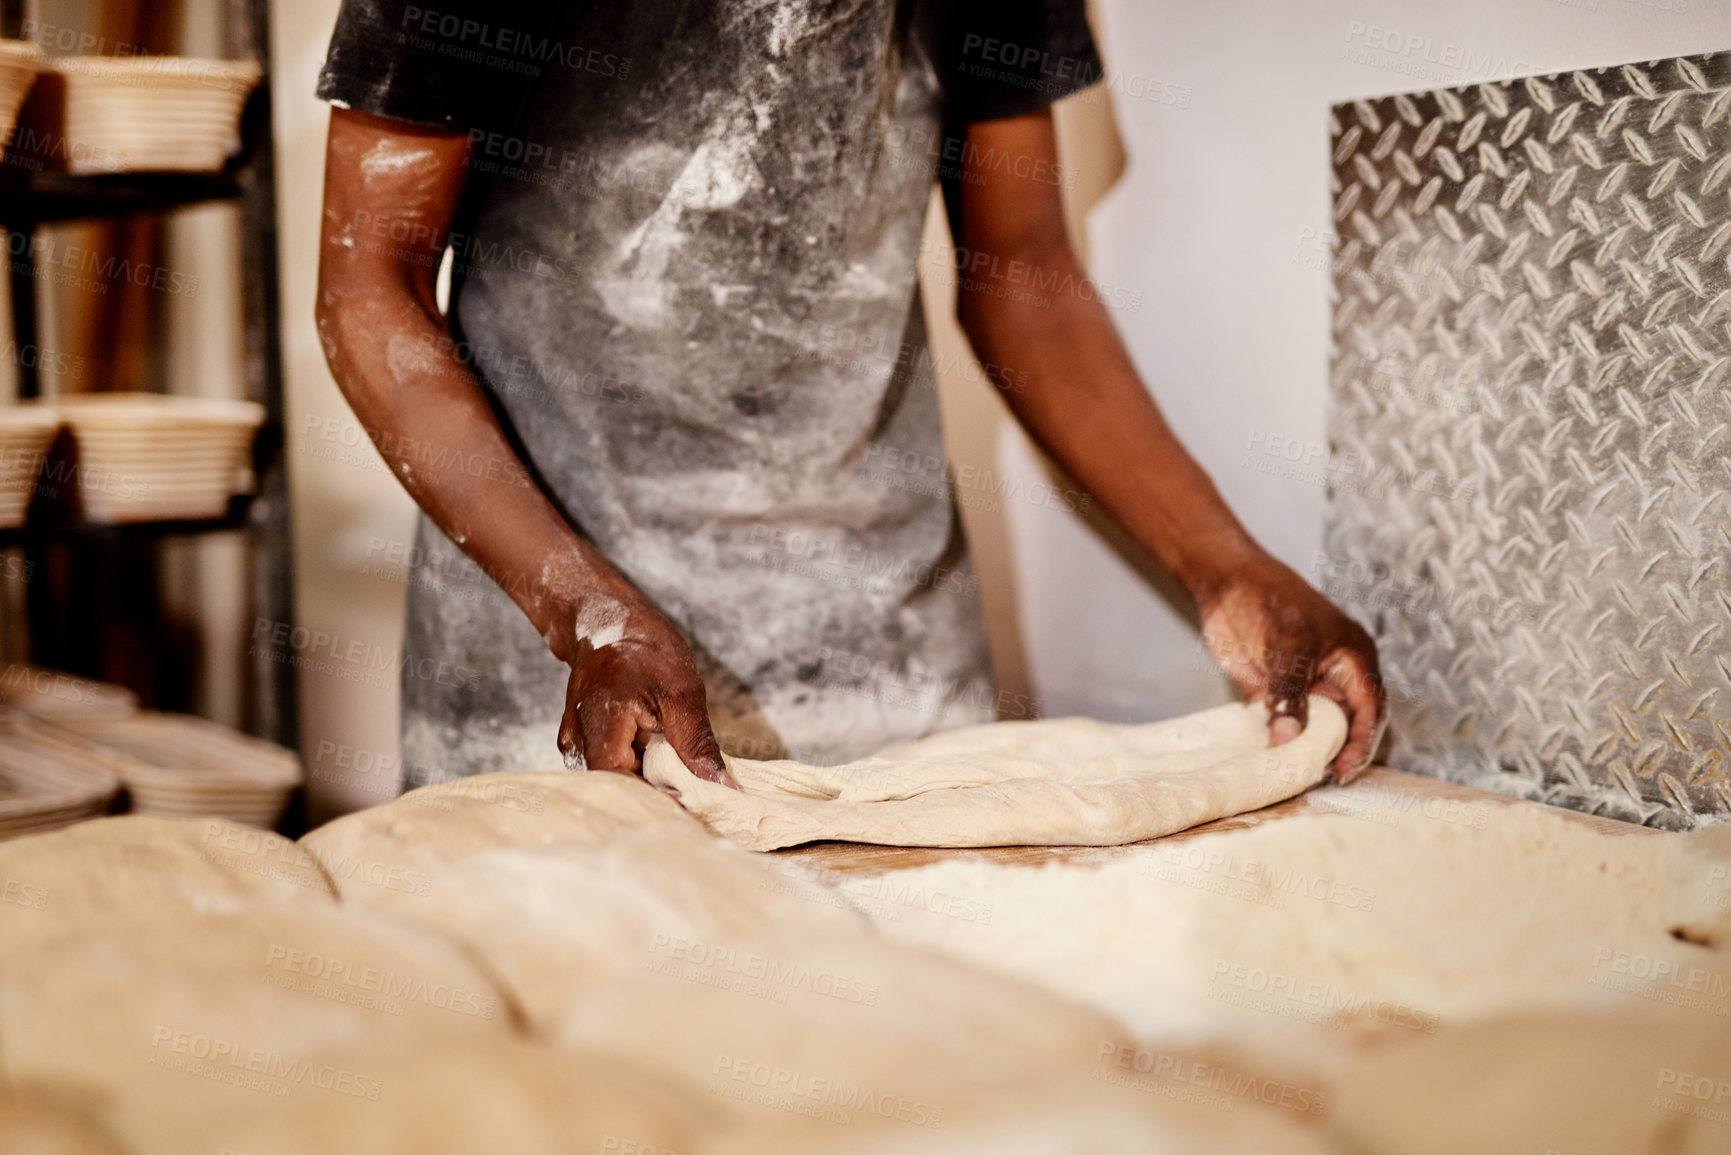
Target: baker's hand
<point>1279,639</point>
<point>632,675</point>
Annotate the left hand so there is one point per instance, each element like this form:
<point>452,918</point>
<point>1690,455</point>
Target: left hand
<point>1278,638</point>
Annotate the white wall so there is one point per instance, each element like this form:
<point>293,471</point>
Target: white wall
<point>1213,221</point>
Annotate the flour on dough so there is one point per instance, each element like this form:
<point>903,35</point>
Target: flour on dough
<point>390,850</point>
<point>1059,782</point>
<point>89,875</point>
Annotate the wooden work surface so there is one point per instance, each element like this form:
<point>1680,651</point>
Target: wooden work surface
<point>1379,790</point>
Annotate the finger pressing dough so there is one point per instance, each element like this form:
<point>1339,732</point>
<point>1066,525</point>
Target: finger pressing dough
<point>391,849</point>
<point>88,875</point>
<point>1060,782</point>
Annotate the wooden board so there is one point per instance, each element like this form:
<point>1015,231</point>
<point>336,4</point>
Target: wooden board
<point>1380,788</point>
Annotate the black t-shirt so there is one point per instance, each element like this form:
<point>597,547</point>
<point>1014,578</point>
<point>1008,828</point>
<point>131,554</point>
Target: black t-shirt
<point>685,271</point>
<point>463,64</point>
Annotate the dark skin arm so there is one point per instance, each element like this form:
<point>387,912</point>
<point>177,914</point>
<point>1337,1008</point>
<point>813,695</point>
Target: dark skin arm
<point>391,192</point>
<point>1078,395</point>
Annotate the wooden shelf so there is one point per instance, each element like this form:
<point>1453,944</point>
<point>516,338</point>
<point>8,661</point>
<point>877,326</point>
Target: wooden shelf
<point>28,198</point>
<point>43,531</point>
<point>34,190</point>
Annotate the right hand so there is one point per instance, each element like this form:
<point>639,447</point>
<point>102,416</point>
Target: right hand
<point>632,675</point>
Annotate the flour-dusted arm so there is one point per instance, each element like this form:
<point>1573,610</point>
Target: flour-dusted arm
<point>1079,396</point>
<point>391,192</point>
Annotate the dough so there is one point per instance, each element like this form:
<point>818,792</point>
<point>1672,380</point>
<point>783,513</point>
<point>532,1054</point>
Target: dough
<point>1700,896</point>
<point>1310,939</point>
<point>845,1007</point>
<point>1623,1085</point>
<point>436,1095</point>
<point>836,1041</point>
<point>1062,782</point>
<point>29,1126</point>
<point>90,874</point>
<point>163,998</point>
<point>548,921</point>
<point>392,848</point>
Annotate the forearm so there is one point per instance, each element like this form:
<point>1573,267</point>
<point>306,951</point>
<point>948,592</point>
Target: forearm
<point>430,420</point>
<point>1071,384</point>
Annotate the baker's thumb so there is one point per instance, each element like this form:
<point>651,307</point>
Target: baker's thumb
<point>686,724</point>
<point>1288,712</point>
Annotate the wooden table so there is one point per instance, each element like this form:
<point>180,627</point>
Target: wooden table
<point>1378,786</point>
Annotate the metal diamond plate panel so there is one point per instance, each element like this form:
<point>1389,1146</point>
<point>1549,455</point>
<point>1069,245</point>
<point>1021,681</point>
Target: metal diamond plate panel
<point>1531,430</point>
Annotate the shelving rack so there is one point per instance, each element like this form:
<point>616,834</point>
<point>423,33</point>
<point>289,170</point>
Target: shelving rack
<point>30,199</point>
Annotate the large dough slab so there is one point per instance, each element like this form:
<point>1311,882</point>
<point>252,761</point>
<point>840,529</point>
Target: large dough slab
<point>89,875</point>
<point>392,849</point>
<point>1629,1084</point>
<point>434,1095</point>
<point>239,1001</point>
<point>1060,782</point>
<point>548,922</point>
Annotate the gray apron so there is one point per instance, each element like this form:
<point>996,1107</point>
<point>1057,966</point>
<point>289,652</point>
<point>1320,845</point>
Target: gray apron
<point>693,301</point>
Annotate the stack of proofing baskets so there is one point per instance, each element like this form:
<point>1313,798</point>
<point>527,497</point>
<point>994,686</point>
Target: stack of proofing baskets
<point>59,732</point>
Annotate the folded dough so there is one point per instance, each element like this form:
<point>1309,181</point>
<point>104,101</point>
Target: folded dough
<point>1059,782</point>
